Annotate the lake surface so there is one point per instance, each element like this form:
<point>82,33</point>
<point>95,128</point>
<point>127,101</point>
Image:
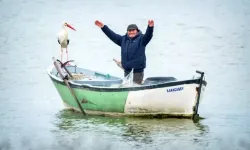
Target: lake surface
<point>211,35</point>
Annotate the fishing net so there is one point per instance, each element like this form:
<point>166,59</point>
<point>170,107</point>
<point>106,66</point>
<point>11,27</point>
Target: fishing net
<point>128,81</point>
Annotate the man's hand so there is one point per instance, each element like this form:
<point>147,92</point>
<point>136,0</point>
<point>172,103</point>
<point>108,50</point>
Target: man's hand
<point>151,23</point>
<point>99,24</point>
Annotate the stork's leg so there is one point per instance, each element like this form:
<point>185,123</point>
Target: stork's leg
<point>61,54</point>
<point>67,53</point>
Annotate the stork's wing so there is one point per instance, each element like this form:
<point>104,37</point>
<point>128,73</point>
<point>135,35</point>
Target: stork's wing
<point>61,36</point>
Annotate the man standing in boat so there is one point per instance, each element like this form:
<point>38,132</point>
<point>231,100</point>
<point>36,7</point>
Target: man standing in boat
<point>133,45</point>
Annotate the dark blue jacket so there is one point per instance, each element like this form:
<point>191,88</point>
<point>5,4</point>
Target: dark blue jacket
<point>132,50</point>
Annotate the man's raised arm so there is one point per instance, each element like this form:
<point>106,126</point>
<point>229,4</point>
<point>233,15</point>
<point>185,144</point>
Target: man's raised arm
<point>116,38</point>
<point>149,32</point>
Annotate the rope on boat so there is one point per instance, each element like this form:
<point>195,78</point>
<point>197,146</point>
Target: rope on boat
<point>76,76</point>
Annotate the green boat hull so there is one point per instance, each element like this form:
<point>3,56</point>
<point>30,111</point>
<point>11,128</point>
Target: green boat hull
<point>92,100</point>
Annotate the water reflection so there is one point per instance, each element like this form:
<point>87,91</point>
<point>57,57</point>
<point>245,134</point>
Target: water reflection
<point>138,130</point>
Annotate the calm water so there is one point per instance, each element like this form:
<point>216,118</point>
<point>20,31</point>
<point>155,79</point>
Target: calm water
<point>210,35</point>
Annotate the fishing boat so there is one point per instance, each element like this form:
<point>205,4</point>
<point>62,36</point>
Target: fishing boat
<point>97,93</point>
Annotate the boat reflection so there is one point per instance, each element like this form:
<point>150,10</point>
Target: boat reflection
<point>131,129</point>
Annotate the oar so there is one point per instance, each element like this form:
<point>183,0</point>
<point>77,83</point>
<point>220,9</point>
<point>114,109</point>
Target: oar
<point>118,63</point>
<point>196,115</point>
<point>65,79</point>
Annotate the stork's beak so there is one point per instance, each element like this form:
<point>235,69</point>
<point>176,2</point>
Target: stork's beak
<point>71,27</point>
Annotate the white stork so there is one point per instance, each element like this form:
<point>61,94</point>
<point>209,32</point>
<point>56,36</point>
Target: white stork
<point>63,38</point>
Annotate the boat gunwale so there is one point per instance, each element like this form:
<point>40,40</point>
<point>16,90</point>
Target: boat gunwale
<point>123,89</point>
